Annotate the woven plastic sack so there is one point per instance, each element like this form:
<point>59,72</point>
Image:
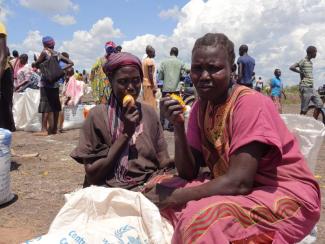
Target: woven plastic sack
<point>107,215</point>
<point>310,134</point>
<point>5,162</point>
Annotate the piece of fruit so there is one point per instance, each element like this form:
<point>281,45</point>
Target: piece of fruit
<point>85,112</point>
<point>128,100</point>
<point>179,99</point>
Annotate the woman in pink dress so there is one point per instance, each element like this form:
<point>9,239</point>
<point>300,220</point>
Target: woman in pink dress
<point>259,189</point>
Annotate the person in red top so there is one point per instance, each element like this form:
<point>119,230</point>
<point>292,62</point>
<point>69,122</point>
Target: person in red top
<point>259,188</point>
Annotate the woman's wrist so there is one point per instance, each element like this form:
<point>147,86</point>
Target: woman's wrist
<point>179,127</point>
<point>182,196</point>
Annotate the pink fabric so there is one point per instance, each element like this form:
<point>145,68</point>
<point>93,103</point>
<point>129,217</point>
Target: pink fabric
<point>23,76</point>
<point>17,66</point>
<point>74,90</point>
<point>282,174</point>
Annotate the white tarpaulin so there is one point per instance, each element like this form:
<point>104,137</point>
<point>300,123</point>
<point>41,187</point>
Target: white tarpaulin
<point>107,215</point>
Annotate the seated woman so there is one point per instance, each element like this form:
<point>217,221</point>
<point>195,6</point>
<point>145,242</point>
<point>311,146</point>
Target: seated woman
<point>260,189</point>
<point>122,146</point>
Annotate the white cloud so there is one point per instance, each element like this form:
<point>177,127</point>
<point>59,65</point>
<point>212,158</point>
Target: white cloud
<point>31,45</point>
<point>4,11</point>
<point>50,6</point>
<point>173,13</point>
<point>277,32</point>
<point>64,19</point>
<point>86,46</point>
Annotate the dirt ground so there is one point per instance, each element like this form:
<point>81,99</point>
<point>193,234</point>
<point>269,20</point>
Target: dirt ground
<point>41,182</point>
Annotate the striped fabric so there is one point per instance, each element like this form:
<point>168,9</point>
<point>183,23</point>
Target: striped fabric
<point>306,66</point>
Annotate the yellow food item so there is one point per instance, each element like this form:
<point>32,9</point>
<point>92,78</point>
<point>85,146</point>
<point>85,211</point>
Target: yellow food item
<point>179,99</point>
<point>128,100</point>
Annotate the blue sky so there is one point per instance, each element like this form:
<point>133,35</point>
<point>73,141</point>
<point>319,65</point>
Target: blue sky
<point>133,17</point>
<point>277,32</point>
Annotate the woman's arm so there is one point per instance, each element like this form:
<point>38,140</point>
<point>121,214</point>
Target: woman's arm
<point>97,171</point>
<point>41,58</point>
<point>187,160</point>
<point>238,180</point>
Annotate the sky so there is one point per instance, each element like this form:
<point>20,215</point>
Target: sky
<point>277,32</point>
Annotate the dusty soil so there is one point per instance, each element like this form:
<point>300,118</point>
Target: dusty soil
<point>41,182</point>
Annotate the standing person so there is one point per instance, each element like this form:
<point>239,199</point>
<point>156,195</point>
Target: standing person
<point>170,73</point>
<point>15,56</point>
<point>306,86</point>
<point>149,78</point>
<point>62,87</point>
<point>259,84</point>
<point>24,75</point>
<point>6,84</point>
<point>50,105</point>
<point>246,65</point>
<point>100,84</point>
<point>85,76</point>
<point>260,189</point>
<point>277,90</point>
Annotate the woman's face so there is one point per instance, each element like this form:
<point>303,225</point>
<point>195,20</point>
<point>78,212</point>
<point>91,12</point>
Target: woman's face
<point>126,80</point>
<point>210,73</point>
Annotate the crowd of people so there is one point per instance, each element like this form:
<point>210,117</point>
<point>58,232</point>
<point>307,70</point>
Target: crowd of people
<point>238,175</point>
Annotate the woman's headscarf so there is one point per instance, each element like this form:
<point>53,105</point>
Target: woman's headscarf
<point>110,47</point>
<point>48,41</point>
<point>118,60</point>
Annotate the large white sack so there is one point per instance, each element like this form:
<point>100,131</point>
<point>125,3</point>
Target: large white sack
<point>5,162</point>
<point>310,134</point>
<point>74,116</point>
<point>25,110</point>
<point>107,215</point>
<point>27,118</point>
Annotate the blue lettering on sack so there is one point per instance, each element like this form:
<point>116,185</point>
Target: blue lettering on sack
<point>106,242</point>
<point>73,234</point>
<point>64,241</point>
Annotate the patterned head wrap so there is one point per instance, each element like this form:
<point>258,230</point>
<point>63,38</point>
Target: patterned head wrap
<point>118,60</point>
<point>110,47</point>
<point>48,41</point>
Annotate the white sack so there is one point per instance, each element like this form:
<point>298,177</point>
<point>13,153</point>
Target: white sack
<point>107,215</point>
<point>5,162</point>
<point>25,110</point>
<point>310,134</point>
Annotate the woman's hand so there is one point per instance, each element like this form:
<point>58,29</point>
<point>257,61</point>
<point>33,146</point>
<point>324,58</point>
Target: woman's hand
<point>172,110</point>
<point>162,196</point>
<point>131,119</point>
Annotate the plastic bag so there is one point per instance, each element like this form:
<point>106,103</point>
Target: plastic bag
<point>310,134</point>
<point>107,215</point>
<point>5,163</point>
